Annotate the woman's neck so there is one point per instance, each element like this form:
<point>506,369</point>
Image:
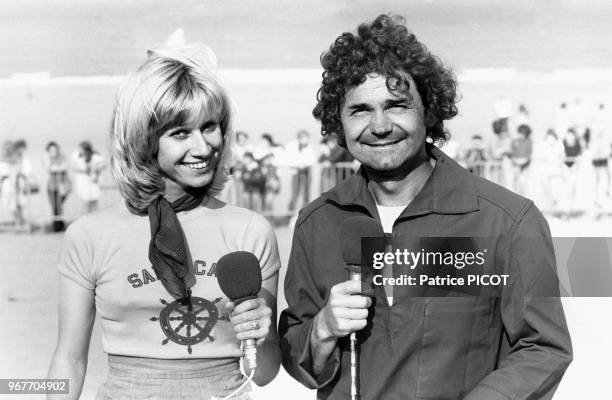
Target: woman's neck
<point>174,191</point>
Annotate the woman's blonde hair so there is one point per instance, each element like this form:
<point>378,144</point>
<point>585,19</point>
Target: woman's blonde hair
<point>169,89</point>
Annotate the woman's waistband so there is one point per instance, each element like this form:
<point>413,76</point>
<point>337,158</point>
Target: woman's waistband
<point>171,369</point>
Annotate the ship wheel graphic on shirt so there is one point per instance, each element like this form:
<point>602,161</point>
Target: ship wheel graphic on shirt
<point>187,326</point>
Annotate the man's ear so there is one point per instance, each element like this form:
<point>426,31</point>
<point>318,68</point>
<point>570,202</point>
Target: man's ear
<point>430,118</point>
<point>339,135</point>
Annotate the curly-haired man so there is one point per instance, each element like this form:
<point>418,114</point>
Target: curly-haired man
<point>385,97</point>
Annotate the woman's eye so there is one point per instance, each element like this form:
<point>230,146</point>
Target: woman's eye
<point>210,126</point>
<point>179,134</point>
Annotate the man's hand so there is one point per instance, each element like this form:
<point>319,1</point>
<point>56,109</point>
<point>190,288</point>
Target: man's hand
<point>346,311</point>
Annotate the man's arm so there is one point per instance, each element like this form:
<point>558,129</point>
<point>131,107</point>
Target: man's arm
<point>310,327</point>
<point>539,344</point>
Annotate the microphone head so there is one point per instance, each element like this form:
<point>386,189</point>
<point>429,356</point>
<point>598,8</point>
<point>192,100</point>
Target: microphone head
<point>351,232</point>
<point>239,276</point>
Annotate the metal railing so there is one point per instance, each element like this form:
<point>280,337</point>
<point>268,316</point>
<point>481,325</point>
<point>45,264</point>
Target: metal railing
<point>297,188</point>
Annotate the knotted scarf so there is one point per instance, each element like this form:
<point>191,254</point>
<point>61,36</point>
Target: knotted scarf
<point>168,248</point>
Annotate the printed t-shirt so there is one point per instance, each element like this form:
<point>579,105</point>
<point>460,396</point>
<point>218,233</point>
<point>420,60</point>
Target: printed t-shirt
<point>107,252</point>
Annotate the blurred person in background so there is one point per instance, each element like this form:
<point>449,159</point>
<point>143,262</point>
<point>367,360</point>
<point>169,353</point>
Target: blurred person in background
<point>242,144</point>
<point>235,186</point>
<point>521,148</point>
<point>301,156</point>
<point>499,154</point>
<point>58,183</point>
<point>563,119</point>
<point>253,182</point>
<point>600,148</point>
<point>580,117</point>
<point>503,112</point>
<point>169,330</point>
<point>331,153</point>
<point>15,185</point>
<point>547,172</point>
<point>267,146</point>
<point>25,164</point>
<point>475,156</point>
<point>520,117</point>
<point>11,186</point>
<point>272,183</point>
<point>572,151</point>
<point>335,163</point>
<point>87,165</point>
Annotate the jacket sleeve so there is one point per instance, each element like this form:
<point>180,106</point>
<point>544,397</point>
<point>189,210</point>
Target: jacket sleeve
<point>304,301</point>
<point>537,347</point>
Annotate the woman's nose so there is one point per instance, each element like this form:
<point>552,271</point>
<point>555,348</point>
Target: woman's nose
<point>199,145</point>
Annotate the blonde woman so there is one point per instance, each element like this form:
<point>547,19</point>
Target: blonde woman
<point>147,266</point>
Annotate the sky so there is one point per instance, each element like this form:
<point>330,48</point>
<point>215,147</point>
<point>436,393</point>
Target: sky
<point>110,37</point>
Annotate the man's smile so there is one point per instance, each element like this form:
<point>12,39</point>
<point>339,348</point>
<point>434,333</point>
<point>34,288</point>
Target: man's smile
<point>384,144</point>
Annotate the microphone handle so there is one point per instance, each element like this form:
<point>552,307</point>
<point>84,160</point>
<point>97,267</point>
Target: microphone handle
<point>355,272</point>
<point>355,275</point>
<point>250,353</point>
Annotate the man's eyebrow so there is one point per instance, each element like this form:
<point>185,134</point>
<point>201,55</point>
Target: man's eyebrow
<point>393,102</point>
<point>400,98</point>
<point>358,106</point>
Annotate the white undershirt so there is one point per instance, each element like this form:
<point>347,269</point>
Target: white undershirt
<point>388,215</point>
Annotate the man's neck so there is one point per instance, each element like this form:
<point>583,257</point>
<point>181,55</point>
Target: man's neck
<point>400,191</point>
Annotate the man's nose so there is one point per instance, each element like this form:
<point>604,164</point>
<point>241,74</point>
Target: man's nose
<point>199,145</point>
<point>380,124</point>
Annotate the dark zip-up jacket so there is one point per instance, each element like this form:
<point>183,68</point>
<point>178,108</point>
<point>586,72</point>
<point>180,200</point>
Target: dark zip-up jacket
<point>475,348</point>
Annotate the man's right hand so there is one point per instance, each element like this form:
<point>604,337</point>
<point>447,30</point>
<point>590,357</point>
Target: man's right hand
<point>346,311</point>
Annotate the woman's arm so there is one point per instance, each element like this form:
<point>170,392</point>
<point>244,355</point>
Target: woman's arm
<point>76,318</point>
<point>262,310</point>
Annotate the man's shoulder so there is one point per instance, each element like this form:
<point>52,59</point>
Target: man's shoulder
<point>327,202</point>
<point>312,210</point>
<point>500,199</point>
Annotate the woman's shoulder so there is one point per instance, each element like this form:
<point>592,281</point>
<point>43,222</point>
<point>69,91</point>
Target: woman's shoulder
<point>108,219</point>
<point>235,215</point>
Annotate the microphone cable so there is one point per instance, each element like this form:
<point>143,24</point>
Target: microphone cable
<point>248,354</point>
<point>238,389</point>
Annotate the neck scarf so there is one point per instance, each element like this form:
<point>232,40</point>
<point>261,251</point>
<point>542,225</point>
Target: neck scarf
<point>168,249</point>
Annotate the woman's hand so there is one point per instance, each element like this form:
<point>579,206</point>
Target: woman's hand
<point>250,319</point>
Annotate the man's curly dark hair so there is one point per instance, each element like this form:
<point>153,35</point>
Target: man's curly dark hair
<point>385,47</point>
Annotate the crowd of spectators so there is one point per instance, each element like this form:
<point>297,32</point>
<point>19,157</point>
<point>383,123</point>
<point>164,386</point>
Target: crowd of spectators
<point>556,167</point>
<point>257,174</point>
<point>80,173</point>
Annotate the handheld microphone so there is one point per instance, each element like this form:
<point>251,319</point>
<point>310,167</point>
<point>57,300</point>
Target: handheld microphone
<point>351,232</point>
<point>239,276</point>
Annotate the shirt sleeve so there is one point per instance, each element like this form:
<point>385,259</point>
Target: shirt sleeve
<point>537,347</point>
<point>296,322</point>
<point>76,261</point>
<point>261,241</point>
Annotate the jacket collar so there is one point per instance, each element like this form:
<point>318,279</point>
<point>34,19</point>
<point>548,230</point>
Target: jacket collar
<point>450,189</point>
